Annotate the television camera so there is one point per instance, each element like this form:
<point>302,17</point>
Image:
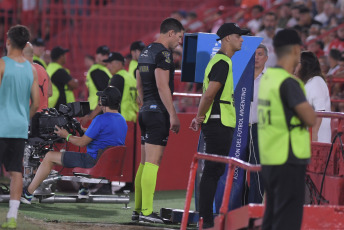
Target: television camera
<point>42,136</point>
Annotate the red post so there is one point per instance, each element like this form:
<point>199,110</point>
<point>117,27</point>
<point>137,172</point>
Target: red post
<point>189,191</point>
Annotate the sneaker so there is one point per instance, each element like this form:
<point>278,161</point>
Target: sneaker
<point>135,216</point>
<point>83,193</point>
<point>11,223</point>
<point>152,218</point>
<point>26,197</point>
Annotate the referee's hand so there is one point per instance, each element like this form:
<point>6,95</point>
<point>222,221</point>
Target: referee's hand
<point>175,123</point>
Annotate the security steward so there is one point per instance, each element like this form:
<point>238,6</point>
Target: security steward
<point>62,83</point>
<point>216,114</point>
<point>283,138</point>
<point>135,51</point>
<point>98,76</point>
<point>38,50</point>
<point>125,83</point>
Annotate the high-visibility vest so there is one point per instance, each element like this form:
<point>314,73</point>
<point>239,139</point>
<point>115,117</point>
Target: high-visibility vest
<point>92,89</point>
<point>51,69</point>
<point>227,108</point>
<point>39,61</point>
<point>129,106</point>
<point>274,133</point>
<point>132,67</point>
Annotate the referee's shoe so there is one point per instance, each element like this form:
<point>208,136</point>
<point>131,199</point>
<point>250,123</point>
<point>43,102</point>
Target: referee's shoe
<point>152,218</point>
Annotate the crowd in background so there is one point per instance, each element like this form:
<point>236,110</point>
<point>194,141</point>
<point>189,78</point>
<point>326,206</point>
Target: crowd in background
<point>320,24</point>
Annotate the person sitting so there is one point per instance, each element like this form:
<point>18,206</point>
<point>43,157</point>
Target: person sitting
<point>107,129</point>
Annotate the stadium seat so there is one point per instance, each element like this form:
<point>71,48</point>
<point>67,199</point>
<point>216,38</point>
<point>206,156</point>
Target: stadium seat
<point>109,166</point>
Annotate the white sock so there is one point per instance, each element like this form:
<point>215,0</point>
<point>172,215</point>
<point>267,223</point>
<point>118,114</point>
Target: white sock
<point>13,211</point>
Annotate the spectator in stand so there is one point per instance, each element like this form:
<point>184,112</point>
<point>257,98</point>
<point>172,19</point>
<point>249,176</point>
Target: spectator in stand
<point>269,31</point>
<point>328,11</point>
<point>63,83</point>
<point>333,58</point>
<point>255,23</point>
<point>44,82</point>
<point>338,43</point>
<point>318,6</point>
<point>218,21</point>
<point>328,38</point>
<point>38,51</point>
<point>306,19</point>
<point>284,13</point>
<point>295,16</point>
<point>193,25</point>
<point>135,51</point>
<point>317,94</point>
<point>324,65</point>
<point>315,46</point>
<point>314,30</point>
<point>180,15</point>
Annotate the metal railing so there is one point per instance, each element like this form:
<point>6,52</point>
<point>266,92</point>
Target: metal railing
<point>232,164</point>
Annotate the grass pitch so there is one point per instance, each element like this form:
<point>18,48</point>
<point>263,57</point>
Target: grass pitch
<point>68,215</point>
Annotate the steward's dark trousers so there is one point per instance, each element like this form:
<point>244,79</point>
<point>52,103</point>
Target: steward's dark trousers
<point>285,194</point>
<point>218,139</point>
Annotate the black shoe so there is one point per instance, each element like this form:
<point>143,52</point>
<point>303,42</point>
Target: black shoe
<point>135,216</point>
<point>208,225</point>
<point>152,218</point>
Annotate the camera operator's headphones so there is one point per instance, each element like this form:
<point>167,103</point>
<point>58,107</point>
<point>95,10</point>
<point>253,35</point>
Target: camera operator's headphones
<point>110,96</point>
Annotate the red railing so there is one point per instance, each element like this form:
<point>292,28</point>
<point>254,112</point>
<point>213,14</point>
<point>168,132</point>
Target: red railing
<point>232,163</point>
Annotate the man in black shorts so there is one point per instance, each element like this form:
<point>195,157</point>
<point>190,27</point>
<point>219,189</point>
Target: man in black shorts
<point>18,83</point>
<point>107,129</point>
<point>216,113</point>
<point>155,86</point>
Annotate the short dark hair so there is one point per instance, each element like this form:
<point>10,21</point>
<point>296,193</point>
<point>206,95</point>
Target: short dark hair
<point>19,35</point>
<point>271,13</point>
<point>171,24</point>
<point>310,66</point>
<point>335,54</point>
<point>258,7</point>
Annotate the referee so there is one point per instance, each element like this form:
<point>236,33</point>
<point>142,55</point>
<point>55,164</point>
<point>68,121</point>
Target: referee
<point>157,116</point>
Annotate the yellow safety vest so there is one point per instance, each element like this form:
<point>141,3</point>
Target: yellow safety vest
<point>227,108</point>
<point>129,106</point>
<point>40,61</point>
<point>132,67</point>
<point>274,134</point>
<point>51,69</point>
<point>92,89</point>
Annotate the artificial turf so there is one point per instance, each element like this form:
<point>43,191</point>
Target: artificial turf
<point>97,213</point>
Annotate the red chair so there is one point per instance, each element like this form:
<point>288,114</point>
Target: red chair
<point>109,166</point>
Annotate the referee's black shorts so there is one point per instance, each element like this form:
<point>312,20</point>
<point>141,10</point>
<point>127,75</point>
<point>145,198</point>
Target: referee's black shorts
<point>11,154</point>
<point>155,127</point>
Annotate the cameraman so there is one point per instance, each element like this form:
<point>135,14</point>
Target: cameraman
<point>108,129</point>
